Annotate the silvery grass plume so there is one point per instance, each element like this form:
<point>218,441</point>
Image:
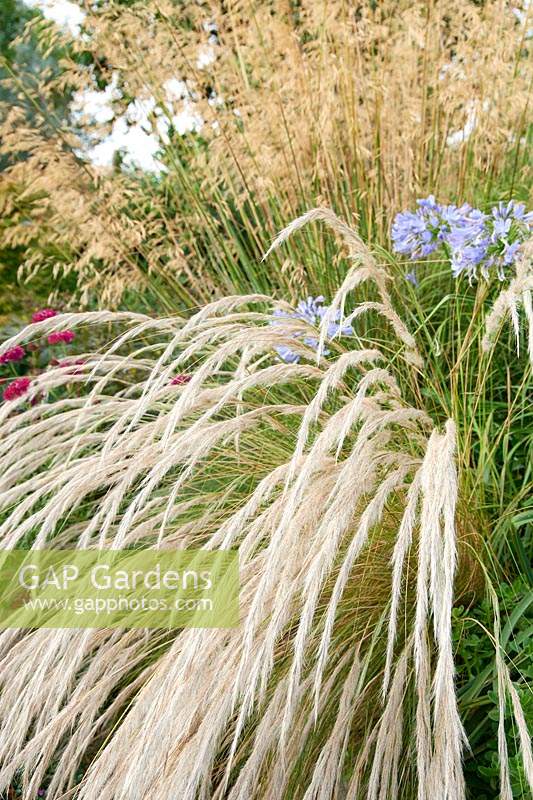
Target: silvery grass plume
<point>342,499</point>
<point>507,304</point>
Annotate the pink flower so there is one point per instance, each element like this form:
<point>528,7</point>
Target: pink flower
<point>14,354</point>
<point>58,337</point>
<point>178,380</point>
<point>44,313</point>
<point>16,388</point>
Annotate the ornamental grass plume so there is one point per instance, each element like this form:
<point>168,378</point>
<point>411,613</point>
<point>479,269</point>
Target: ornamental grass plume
<point>346,503</point>
<point>364,106</point>
<point>518,293</point>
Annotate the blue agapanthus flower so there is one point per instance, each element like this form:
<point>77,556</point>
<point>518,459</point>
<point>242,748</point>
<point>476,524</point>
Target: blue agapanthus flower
<point>416,234</point>
<point>473,241</point>
<point>311,311</point>
<point>467,245</point>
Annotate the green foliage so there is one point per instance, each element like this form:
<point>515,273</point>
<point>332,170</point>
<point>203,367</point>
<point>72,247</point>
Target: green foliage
<point>30,53</point>
<point>489,399</point>
<point>476,682</point>
<point>14,56</point>
<point>23,63</point>
<point>14,17</point>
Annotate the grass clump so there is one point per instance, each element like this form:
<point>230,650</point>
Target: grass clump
<point>363,502</point>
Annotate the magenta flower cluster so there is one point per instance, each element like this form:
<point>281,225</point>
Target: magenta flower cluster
<point>20,386</point>
<point>61,337</point>
<point>16,353</point>
<point>16,388</point>
<point>44,313</point>
<point>475,242</point>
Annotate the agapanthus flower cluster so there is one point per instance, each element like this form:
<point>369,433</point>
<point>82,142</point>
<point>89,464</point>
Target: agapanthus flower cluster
<point>312,311</point>
<point>474,242</point>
